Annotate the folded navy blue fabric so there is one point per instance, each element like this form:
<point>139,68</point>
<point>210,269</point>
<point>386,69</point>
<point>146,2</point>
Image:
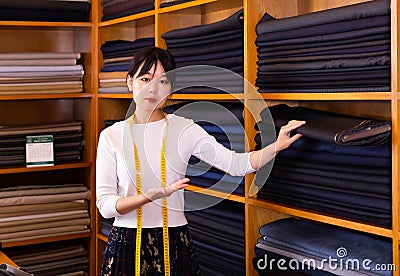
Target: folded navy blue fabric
<point>326,29</point>
<point>324,240</point>
<point>221,38</point>
<point>373,34</point>
<point>207,48</point>
<point>207,221</point>
<point>233,22</point>
<point>377,74</point>
<point>208,90</point>
<point>209,112</point>
<point>123,45</point>
<point>329,64</point>
<point>192,170</point>
<point>313,204</point>
<point>331,84</point>
<point>325,71</point>
<point>327,90</point>
<point>331,127</point>
<point>211,248</point>
<point>44,15</point>
<point>217,185</point>
<point>222,128</point>
<point>126,12</point>
<point>208,56</point>
<point>350,12</point>
<point>333,158</point>
<point>225,209</point>
<point>206,37</point>
<point>293,44</point>
<point>221,242</point>
<point>308,57</point>
<point>124,6</point>
<point>221,62</point>
<point>115,68</point>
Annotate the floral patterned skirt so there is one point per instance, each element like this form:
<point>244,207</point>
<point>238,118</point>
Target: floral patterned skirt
<point>119,255</point>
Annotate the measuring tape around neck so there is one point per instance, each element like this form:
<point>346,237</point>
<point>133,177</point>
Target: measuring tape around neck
<point>164,211</point>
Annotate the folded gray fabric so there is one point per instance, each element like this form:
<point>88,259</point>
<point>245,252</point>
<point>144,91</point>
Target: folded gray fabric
<point>362,10</point>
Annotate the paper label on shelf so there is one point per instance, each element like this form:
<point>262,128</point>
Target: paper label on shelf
<point>39,151</point>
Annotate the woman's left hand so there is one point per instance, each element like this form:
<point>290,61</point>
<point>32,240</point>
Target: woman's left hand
<point>284,140</point>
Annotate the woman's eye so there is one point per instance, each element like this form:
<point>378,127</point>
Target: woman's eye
<point>164,81</point>
<point>145,79</point>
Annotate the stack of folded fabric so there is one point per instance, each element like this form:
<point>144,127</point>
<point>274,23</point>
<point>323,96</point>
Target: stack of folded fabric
<point>40,72</point>
<point>45,10</point>
<point>345,49</point>
<point>224,121</point>
<point>168,3</point>
<point>218,44</point>
<point>341,165</point>
<point>119,8</point>
<point>59,258</point>
<point>42,211</point>
<point>67,138</point>
<point>317,249</point>
<point>218,234</point>
<point>106,225</point>
<point>117,55</point>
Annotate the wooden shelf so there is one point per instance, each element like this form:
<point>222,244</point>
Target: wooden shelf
<point>45,24</point>
<point>184,6</point>
<point>208,191</point>
<point>307,214</point>
<point>102,237</point>
<point>380,96</point>
<point>6,260</point>
<point>45,96</point>
<point>219,97</point>
<point>79,165</point>
<point>127,18</point>
<point>49,239</point>
<point>114,96</point>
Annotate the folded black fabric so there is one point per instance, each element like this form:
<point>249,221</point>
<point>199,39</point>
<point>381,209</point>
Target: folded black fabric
<point>207,48</point>
<point>124,6</point>
<point>221,38</point>
<point>123,45</point>
<point>326,29</point>
<point>363,35</point>
<point>43,15</point>
<point>325,71</point>
<point>46,5</point>
<point>201,38</point>
<point>332,127</point>
<point>350,12</point>
<point>221,62</point>
<point>233,22</point>
<point>127,12</point>
<point>323,84</point>
<point>208,56</point>
<point>287,78</point>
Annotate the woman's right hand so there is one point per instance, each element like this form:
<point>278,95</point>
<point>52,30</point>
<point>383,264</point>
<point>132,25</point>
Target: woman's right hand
<point>157,193</point>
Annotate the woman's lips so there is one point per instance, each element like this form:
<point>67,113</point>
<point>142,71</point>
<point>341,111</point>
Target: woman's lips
<point>151,100</point>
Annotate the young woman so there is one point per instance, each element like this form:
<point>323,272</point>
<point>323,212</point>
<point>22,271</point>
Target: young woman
<point>140,169</point>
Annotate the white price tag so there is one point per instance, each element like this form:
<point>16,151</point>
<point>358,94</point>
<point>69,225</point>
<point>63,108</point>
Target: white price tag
<point>39,151</point>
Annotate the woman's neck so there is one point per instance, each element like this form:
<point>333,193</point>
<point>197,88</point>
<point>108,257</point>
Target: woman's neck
<point>144,116</point>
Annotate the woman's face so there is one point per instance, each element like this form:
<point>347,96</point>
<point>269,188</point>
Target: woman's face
<point>151,90</point>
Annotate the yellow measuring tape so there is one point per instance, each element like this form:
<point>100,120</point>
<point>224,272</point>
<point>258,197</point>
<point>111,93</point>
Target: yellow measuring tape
<point>163,169</point>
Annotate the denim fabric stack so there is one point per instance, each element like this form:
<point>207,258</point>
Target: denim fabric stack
<point>224,122</point>
<point>320,172</point>
<point>217,229</point>
<point>119,8</point>
<point>308,248</point>
<point>45,10</point>
<point>218,44</point>
<point>346,49</point>
<point>117,55</point>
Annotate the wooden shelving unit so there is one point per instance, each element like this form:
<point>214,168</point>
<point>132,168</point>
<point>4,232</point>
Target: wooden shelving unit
<point>382,105</point>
